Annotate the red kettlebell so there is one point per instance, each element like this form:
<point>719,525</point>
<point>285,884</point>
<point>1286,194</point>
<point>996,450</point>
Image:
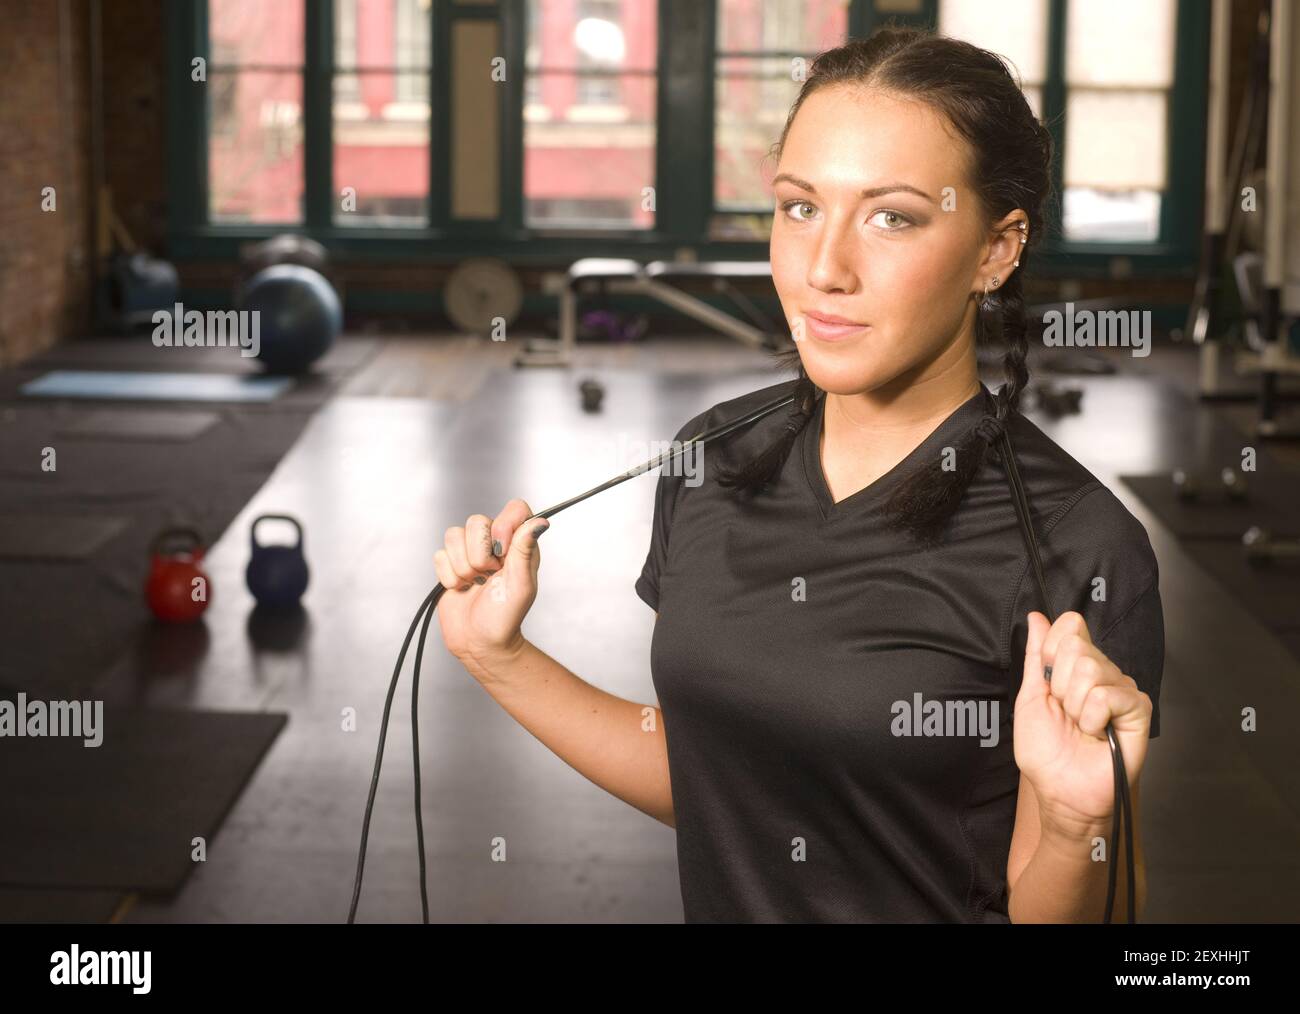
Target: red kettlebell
<point>178,591</point>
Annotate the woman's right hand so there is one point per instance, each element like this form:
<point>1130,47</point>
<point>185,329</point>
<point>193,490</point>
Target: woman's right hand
<point>488,595</point>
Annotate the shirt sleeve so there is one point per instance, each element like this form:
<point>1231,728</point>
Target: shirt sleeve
<point>667,490</point>
<point>1136,644</point>
<point>1098,561</point>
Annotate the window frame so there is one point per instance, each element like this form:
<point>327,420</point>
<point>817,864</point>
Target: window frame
<point>685,121</point>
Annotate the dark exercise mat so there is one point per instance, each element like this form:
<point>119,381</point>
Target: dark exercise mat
<point>207,367</point>
<point>131,424</point>
<point>57,905</point>
<point>50,537</point>
<point>1291,638</point>
<point>1273,503</point>
<point>1271,592</point>
<point>1210,531</point>
<point>123,814</point>
<point>137,352</point>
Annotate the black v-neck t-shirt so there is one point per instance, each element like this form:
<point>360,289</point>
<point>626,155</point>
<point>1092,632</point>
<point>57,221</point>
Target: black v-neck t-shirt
<point>795,633</point>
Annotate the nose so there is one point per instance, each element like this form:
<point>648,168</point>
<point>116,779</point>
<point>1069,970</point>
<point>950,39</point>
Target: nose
<point>831,269</point>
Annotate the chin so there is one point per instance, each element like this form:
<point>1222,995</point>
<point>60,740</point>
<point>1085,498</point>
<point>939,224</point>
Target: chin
<point>844,375</point>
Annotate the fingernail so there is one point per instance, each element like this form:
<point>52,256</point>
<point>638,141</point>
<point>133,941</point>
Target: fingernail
<point>1047,673</point>
<point>537,532</point>
<point>480,579</point>
<point>496,547</point>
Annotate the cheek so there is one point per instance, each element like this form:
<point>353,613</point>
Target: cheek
<point>921,279</point>
<point>787,273</point>
<point>921,291</point>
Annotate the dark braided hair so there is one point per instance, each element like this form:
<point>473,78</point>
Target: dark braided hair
<point>1011,155</point>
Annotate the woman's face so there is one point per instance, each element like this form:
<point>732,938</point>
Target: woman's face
<point>901,262</point>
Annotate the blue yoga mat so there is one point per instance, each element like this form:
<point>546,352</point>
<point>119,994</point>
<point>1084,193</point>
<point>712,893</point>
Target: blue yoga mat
<point>157,386</point>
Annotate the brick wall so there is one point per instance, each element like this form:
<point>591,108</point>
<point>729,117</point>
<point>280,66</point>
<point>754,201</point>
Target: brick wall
<point>44,121</point>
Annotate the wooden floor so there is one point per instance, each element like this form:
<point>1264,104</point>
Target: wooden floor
<point>448,367</point>
<point>433,430</point>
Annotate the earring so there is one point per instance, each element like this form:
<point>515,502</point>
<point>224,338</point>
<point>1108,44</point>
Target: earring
<point>1023,240</point>
<point>986,303</point>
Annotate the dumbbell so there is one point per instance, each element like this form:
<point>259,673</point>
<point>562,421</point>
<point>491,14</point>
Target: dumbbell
<point>1060,401</point>
<point>1185,485</point>
<point>1263,547</point>
<point>1188,488</point>
<point>1234,484</point>
<point>592,393</point>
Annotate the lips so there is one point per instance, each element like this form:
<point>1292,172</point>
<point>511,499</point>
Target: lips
<point>830,318</point>
<point>831,328</point>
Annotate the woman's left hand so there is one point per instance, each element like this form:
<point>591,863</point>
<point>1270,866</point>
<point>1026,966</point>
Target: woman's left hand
<point>1060,726</point>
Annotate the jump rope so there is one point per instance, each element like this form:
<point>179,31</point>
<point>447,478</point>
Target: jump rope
<point>425,613</point>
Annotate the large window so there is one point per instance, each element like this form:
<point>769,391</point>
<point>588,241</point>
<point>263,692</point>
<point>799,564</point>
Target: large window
<point>1014,29</point>
<point>589,116</point>
<point>1119,70</point>
<point>384,125</point>
<point>1116,79</point>
<point>764,51</point>
<point>255,71</point>
<point>382,61</point>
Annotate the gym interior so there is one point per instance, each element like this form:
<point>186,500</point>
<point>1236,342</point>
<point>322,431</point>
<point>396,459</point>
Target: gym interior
<point>287,289</point>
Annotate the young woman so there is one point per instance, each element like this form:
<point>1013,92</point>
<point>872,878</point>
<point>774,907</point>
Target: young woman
<point>846,614</point>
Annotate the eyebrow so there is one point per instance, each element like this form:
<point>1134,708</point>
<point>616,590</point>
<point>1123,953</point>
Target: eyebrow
<point>888,188</point>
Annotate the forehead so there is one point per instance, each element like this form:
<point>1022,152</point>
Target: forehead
<point>853,137</point>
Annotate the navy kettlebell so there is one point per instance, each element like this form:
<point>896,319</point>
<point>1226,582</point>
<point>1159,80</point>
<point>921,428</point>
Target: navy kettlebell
<point>277,575</point>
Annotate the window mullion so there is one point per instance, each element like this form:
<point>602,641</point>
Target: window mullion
<point>1054,103</point>
<point>318,118</point>
<point>440,117</point>
<point>514,40</point>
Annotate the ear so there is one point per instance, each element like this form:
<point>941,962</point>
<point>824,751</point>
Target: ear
<point>1002,250</point>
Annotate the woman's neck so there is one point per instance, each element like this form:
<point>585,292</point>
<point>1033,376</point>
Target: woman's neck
<point>865,435</point>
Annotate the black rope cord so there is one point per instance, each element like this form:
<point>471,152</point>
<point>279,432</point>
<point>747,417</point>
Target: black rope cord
<point>1116,755</point>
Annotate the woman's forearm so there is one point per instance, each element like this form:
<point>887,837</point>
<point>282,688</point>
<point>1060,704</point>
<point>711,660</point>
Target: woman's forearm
<point>617,744</point>
<point>1063,884</point>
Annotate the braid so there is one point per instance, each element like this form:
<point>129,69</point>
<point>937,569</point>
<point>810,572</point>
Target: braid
<point>754,475</point>
<point>1013,327</point>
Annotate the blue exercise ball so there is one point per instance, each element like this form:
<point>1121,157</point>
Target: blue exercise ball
<point>300,316</point>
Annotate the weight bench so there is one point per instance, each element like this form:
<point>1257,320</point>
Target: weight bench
<point>618,275</point>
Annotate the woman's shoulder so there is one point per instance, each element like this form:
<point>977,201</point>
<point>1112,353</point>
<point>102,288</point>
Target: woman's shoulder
<point>1071,506</point>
